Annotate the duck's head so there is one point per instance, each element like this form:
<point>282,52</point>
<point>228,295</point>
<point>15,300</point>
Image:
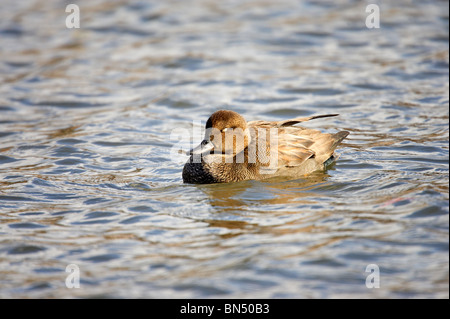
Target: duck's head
<point>226,133</point>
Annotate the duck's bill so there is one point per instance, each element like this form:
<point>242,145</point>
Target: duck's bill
<point>204,148</point>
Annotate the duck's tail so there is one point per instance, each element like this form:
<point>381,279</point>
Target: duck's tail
<point>337,139</point>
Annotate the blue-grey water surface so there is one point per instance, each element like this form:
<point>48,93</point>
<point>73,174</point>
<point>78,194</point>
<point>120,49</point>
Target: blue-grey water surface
<point>94,122</point>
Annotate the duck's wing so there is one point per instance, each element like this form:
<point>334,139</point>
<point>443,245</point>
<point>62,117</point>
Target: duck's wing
<point>293,149</point>
<point>295,144</point>
<point>287,122</point>
<point>302,119</point>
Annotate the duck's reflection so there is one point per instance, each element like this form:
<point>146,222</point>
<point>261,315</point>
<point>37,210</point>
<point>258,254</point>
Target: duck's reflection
<point>272,191</point>
<point>258,207</point>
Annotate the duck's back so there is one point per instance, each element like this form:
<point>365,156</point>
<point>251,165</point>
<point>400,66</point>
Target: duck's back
<point>293,150</point>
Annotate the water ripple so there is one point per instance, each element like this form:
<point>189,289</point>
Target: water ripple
<point>89,175</point>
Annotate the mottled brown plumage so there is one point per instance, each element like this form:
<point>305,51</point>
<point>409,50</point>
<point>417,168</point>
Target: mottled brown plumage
<point>234,150</point>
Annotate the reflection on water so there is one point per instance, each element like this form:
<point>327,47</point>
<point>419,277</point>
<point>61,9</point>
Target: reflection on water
<point>274,191</point>
<point>87,177</point>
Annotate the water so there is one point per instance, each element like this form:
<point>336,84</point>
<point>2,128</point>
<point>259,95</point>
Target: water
<point>90,172</point>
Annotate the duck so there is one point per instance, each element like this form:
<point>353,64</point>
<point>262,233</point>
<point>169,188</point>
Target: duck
<point>235,150</point>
